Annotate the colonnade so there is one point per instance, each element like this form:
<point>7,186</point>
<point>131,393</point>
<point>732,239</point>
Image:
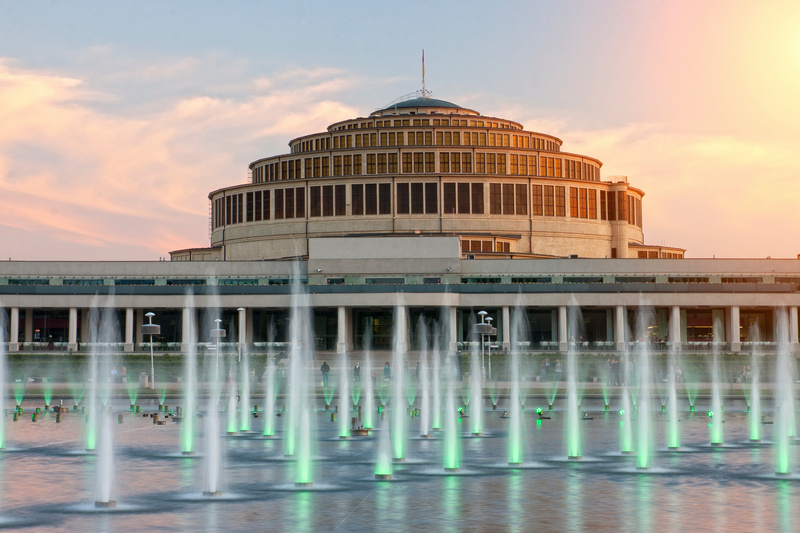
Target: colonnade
<point>729,317</point>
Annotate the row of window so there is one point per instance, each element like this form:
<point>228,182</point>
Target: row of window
<point>423,198</point>
<point>468,245</point>
<point>425,162</point>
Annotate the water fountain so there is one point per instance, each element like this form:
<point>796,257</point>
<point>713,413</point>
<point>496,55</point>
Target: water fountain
<point>644,451</point>
<point>344,397</point>
<point>3,378</point>
<point>104,331</point>
<point>270,393</point>
<point>424,382</point>
<point>399,336</point>
<point>476,391</point>
<point>715,425</point>
<point>368,412</point>
<point>516,438</point>
<point>754,397</point>
<point>573,428</point>
<point>436,384</point>
<point>383,464</point>
<point>233,396</point>
<point>189,380</point>
<point>784,398</point>
<point>244,372</point>
<point>212,458</point>
<point>673,416</point>
<point>452,440</point>
<point>297,431</point>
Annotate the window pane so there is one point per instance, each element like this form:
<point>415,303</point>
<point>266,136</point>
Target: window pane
<point>385,199</point>
<point>315,198</point>
<point>431,198</point>
<point>417,200</point>
<point>508,198</point>
<point>340,197</point>
<point>371,199</point>
<point>327,200</point>
<point>495,199</point>
<point>402,199</point>
<point>477,198</point>
<point>357,200</point>
<point>449,193</point>
<point>289,203</point>
<point>463,198</point>
<point>521,199</point>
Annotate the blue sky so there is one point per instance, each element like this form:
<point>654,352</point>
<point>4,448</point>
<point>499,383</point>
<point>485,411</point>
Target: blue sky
<point>121,117</point>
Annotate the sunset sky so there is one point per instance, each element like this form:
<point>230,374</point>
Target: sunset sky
<point>118,118</point>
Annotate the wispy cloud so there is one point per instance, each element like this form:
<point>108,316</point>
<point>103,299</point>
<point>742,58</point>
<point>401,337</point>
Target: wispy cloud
<point>74,171</point>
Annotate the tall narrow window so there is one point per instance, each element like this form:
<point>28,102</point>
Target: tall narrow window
<point>449,198</point>
<point>573,202</point>
<point>561,201</point>
<point>477,198</point>
<point>357,198</point>
<point>340,200</point>
<point>495,199</point>
<point>267,202</point>
<point>549,201</point>
<point>417,199</point>
<point>257,206</point>
<point>521,199</point>
<point>463,202</point>
<point>431,198</point>
<point>593,204</point>
<point>315,201</point>
<point>249,210</point>
<point>288,199</point>
<point>537,200</point>
<point>385,199</point>
<point>371,199</point>
<point>278,204</point>
<point>508,198</point>
<point>403,204</point>
<point>582,201</point>
<point>327,200</point>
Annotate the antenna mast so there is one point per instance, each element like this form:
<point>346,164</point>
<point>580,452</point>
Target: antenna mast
<point>424,92</point>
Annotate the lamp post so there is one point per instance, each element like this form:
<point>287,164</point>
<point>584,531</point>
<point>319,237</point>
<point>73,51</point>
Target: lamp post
<point>218,333</point>
<point>484,328</point>
<point>242,333</point>
<point>151,329</point>
<point>489,351</point>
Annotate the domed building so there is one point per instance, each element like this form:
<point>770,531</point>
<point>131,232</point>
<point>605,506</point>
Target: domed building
<point>429,167</point>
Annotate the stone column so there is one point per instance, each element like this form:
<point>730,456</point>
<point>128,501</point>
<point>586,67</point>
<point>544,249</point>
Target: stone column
<point>13,332</point>
<point>402,328</point>
<point>138,321</point>
<point>344,329</point>
<point>734,335</point>
<point>794,338</point>
<point>188,337</point>
<point>72,336</point>
<point>29,325</point>
<point>619,327</point>
<point>675,326</point>
<point>452,325</point>
<point>506,328</point>
<point>249,329</point>
<point>85,337</point>
<point>128,347</point>
<point>562,328</point>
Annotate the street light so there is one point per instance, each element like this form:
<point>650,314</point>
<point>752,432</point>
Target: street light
<point>218,333</point>
<point>241,332</point>
<point>489,352</point>
<point>484,327</point>
<point>151,329</point>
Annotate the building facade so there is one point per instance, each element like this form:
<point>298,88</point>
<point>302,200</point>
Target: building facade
<point>430,167</point>
<point>428,209</point>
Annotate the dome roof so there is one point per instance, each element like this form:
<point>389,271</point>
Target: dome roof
<point>421,102</point>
